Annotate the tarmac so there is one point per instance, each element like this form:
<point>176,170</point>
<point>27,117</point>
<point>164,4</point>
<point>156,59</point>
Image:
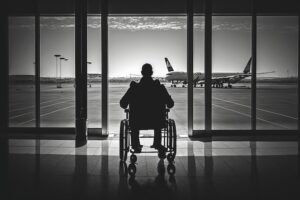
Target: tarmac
<point>231,108</point>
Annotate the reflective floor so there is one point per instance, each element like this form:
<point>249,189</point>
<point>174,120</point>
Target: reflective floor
<point>204,169</point>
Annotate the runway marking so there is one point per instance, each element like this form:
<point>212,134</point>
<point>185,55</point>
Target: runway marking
<point>49,113</point>
<point>275,124</point>
<point>16,104</point>
<point>18,109</point>
<point>275,113</point>
<point>16,116</point>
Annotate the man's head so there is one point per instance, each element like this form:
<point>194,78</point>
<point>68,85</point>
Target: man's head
<point>147,70</point>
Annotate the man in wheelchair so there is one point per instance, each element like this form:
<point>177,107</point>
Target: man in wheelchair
<point>147,101</point>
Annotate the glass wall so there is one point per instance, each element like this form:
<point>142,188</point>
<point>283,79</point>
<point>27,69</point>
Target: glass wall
<point>231,72</point>
<point>94,71</point>
<point>160,41</point>
<point>199,104</point>
<point>21,72</point>
<point>134,41</point>
<point>277,69</point>
<point>57,71</point>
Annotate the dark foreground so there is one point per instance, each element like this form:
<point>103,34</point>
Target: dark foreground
<point>204,170</point>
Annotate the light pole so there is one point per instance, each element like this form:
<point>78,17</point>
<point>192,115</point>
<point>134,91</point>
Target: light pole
<point>60,59</point>
<point>56,57</point>
<point>65,59</point>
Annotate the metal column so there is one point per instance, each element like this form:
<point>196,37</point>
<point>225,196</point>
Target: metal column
<point>208,65</point>
<point>299,74</point>
<point>4,78</point>
<point>253,77</point>
<point>37,67</point>
<point>104,51</point>
<point>84,58</point>
<point>81,71</point>
<point>190,66</point>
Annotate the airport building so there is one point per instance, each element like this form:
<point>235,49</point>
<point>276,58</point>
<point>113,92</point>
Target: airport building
<point>230,66</point>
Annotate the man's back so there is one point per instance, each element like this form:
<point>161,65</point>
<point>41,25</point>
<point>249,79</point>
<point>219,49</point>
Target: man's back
<point>147,100</point>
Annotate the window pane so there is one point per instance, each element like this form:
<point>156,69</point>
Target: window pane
<point>134,41</point>
<point>277,63</point>
<point>94,71</point>
<point>199,105</point>
<point>57,72</point>
<point>231,72</point>
<point>21,72</point>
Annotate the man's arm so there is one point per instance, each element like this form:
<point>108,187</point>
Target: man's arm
<point>168,99</point>
<point>125,100</point>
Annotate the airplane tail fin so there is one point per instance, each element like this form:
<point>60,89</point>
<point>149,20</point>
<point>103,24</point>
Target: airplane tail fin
<point>247,68</point>
<point>169,66</point>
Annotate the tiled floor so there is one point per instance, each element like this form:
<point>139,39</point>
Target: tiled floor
<point>55,169</point>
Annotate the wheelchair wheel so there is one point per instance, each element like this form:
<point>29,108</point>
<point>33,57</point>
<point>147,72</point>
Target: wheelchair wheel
<point>131,169</point>
<point>161,154</point>
<point>133,158</point>
<point>173,137</point>
<point>171,169</point>
<point>123,141</point>
<point>170,157</point>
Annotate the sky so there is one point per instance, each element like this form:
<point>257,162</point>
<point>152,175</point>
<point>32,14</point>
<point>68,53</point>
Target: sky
<point>133,41</point>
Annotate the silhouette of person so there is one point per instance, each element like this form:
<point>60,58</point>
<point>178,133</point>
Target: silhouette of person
<point>147,101</point>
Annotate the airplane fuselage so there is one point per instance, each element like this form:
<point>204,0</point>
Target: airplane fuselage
<point>182,76</point>
<point>198,76</point>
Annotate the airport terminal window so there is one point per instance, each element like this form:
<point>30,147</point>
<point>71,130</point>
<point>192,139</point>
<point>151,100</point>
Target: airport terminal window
<point>136,40</point>
<point>57,71</point>
<point>94,71</point>
<point>199,106</point>
<point>231,72</point>
<point>277,63</point>
<point>21,72</point>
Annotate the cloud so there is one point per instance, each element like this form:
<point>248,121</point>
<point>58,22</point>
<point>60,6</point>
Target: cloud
<point>147,23</point>
<point>158,23</point>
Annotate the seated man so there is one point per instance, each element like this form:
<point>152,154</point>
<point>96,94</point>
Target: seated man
<point>147,100</point>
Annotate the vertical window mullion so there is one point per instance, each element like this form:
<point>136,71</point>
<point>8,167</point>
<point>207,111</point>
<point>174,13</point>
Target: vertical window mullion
<point>253,77</point>
<point>37,70</point>
<point>208,65</point>
<point>104,51</point>
<point>4,71</point>
<point>299,73</point>
<point>190,67</point>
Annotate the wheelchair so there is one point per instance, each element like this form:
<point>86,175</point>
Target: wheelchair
<point>169,137</point>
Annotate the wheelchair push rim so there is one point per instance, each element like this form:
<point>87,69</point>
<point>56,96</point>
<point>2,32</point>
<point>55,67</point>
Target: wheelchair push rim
<point>123,140</point>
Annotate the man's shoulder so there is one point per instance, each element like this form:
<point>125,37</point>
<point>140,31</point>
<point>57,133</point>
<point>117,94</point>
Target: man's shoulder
<point>157,82</point>
<point>133,84</point>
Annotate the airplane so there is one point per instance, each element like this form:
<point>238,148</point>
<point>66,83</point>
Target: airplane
<point>177,77</point>
<point>218,79</point>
